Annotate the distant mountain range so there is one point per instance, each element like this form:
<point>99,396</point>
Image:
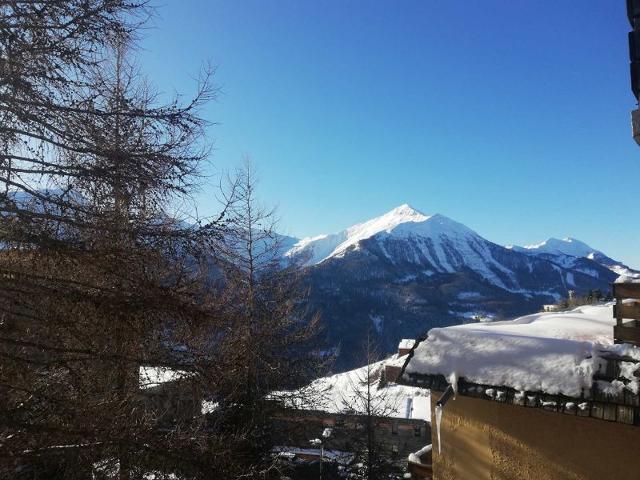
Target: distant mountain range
<point>402,273</point>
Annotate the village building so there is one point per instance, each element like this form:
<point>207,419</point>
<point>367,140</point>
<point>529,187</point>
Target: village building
<point>328,423</point>
<point>400,415</point>
<point>551,308</point>
<point>546,396</point>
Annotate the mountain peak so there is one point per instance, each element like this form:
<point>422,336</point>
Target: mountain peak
<point>405,209</point>
<point>401,222</point>
<point>401,214</point>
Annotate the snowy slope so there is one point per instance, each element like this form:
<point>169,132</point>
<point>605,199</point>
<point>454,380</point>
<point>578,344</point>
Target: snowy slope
<point>568,252</point>
<point>550,352</point>
<point>555,246</point>
<point>438,244</point>
<point>317,249</point>
<point>345,391</point>
<point>405,272</point>
<point>435,241</point>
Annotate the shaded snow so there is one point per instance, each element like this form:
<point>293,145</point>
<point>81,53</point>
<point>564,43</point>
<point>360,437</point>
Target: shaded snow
<point>470,296</point>
<point>378,322</point>
<point>567,250</point>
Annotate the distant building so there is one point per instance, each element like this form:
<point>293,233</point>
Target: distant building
<point>405,346</point>
<point>402,431</point>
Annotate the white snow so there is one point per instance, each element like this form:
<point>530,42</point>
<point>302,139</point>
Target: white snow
<point>337,393</point>
<point>338,456</point>
<point>555,352</point>
<point>445,246</point>
<point>625,275</point>
<point>325,246</point>
<point>406,343</point>
<point>149,377</point>
<point>566,246</point>
<point>444,243</point>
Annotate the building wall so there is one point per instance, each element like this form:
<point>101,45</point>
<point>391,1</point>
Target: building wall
<point>487,440</point>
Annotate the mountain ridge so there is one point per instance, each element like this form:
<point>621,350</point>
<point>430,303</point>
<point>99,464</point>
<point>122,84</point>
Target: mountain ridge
<point>405,221</point>
<point>402,273</point>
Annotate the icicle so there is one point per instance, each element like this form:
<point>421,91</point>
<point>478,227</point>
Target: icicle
<point>438,421</point>
<point>453,381</point>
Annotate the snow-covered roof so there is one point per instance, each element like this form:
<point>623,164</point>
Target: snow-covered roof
<point>339,393</point>
<point>406,344</point>
<point>555,352</point>
<point>628,277</point>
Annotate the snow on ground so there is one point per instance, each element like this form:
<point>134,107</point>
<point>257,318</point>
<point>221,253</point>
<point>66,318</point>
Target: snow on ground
<point>149,377</point>
<point>340,457</point>
<point>337,393</point>
<point>555,352</point>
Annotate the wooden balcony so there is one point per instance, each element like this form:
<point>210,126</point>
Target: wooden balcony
<point>627,313</point>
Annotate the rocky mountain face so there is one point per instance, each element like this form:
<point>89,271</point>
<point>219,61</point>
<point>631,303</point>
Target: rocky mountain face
<point>403,273</point>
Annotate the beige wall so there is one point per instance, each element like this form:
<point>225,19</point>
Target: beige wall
<point>482,439</point>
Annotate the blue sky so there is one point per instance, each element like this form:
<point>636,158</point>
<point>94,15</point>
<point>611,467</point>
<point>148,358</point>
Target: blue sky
<point>510,116</point>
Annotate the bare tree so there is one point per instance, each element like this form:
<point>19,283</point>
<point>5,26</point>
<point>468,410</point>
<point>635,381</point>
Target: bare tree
<point>371,403</point>
<point>273,347</point>
<point>97,276</point>
<point>100,277</point>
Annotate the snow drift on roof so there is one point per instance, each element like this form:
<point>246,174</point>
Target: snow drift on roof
<point>556,353</point>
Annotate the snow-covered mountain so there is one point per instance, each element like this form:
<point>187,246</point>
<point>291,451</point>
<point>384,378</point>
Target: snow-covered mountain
<point>400,220</point>
<point>404,272</point>
<point>554,246</point>
<point>569,252</point>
